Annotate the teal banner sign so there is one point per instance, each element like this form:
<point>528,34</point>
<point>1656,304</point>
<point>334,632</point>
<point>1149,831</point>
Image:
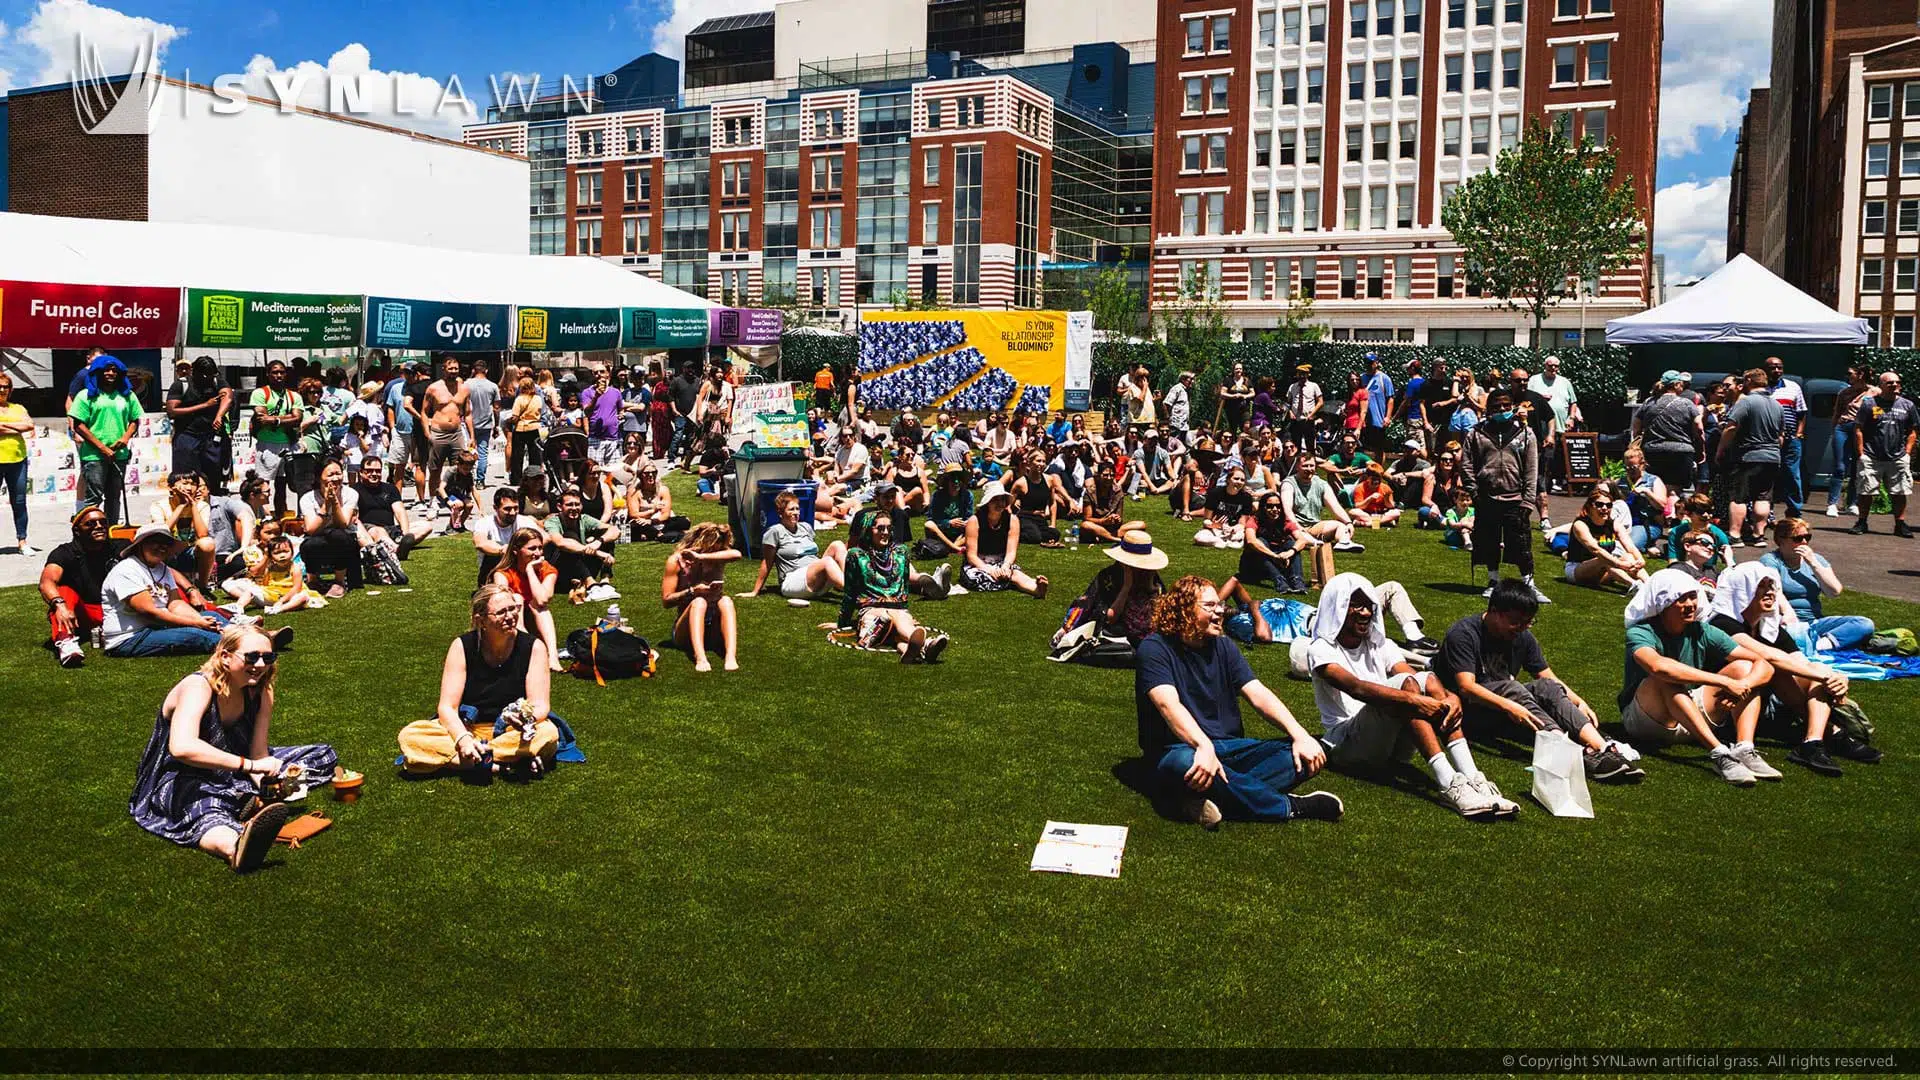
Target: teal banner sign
<point>538,329</point>
<point>438,327</point>
<point>663,328</point>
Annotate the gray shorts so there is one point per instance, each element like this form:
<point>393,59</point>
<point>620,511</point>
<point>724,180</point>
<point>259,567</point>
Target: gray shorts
<point>1644,730</point>
<point>399,449</point>
<point>269,459</point>
<point>1373,738</point>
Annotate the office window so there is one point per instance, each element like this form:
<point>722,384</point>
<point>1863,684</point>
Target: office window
<point>1283,213</point>
<point>1257,279</point>
<point>1909,217</point>
<point>1410,16</point>
<point>1510,69</point>
<point>1902,332</point>
<point>1876,161</point>
<point>1263,89</point>
<point>1196,36</point>
<point>1309,286</point>
<point>1565,66</point>
<point>1382,142</point>
<point>1189,215</point>
<point>1356,139</point>
<point>1483,71</point>
<point>1357,19</point>
<point>1871,278</point>
<point>630,185</point>
<point>1910,158</point>
<point>1568,9</point>
<point>1443,268</point>
<point>1316,89</point>
<point>829,173</point>
<point>1383,78</point>
<point>1190,153</point>
<point>636,235</point>
<point>1483,12</point>
<point>1287,140</point>
<point>1266,29</point>
<point>1456,14</point>
<point>1356,81</point>
<point>1313,146</point>
<point>1403,205</point>
<point>930,165</point>
<point>1873,329</point>
<point>1911,107</point>
<point>1218,101</point>
<point>1376,278</point>
<point>1509,131</point>
<point>1377,208</point>
<point>1516,11</point>
<point>1874,220</point>
<point>1282,278</point>
<point>1383,15</point>
<point>1216,213</point>
<point>587,191</point>
<point>930,223</point>
<point>1260,221</point>
<point>1450,137</point>
<point>1289,88</point>
<point>1196,100</point>
<point>1403,277</point>
<point>1409,138</point>
<point>586,236</point>
<point>1262,149</point>
<point>1349,279</point>
<point>1600,7</point>
<point>1310,210</point>
<point>1480,126</point>
<point>1906,275</point>
<point>1410,77</point>
<point>1351,202</point>
<point>1593,124</point>
<point>1599,61</point>
<point>1456,69</point>
<point>1221,38</point>
<point>734,229</point>
<point>1216,152</point>
<point>1290,26</point>
<point>1317,23</point>
<point>1447,191</point>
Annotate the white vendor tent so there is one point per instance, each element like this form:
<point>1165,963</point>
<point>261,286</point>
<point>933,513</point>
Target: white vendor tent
<point>1741,302</point>
<point>89,251</point>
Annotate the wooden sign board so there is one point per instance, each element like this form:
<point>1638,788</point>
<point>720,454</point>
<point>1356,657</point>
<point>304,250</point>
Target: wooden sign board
<point>1581,456</point>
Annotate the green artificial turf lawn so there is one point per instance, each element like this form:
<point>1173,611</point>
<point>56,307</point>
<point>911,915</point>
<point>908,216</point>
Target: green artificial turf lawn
<point>827,849</point>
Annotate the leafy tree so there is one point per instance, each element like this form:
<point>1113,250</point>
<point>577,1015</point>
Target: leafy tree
<point>1298,324</point>
<point>1114,301</point>
<point>786,298</point>
<point>902,300</point>
<point>1547,217</point>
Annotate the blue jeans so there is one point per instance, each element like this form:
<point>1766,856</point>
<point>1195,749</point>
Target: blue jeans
<point>1841,466</point>
<point>482,449</point>
<point>166,641</point>
<point>1645,536</point>
<point>1258,774</point>
<point>1789,488</point>
<point>14,475</point>
<point>1846,631</point>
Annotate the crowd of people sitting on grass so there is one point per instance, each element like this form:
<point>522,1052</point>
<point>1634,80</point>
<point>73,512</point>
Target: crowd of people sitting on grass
<point>1714,648</point>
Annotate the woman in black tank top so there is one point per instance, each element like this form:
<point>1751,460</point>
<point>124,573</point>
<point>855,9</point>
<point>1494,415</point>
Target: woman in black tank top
<point>1033,495</point>
<point>993,544</point>
<point>494,676</point>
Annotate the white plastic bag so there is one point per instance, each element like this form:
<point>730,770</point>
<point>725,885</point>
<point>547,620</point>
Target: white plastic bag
<point>1559,777</point>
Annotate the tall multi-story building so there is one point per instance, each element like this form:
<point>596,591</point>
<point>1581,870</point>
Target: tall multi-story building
<point>1305,149</point>
<point>1748,205</point>
<point>945,151</point>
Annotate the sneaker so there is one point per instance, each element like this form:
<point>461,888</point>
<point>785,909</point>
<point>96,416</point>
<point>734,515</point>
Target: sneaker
<point>1546,524</point>
<point>68,651</point>
<point>1469,800</point>
<point>1625,750</point>
<point>943,578</point>
<point>1812,754</point>
<point>282,638</point>
<point>1538,596</point>
<point>1900,529</point>
<point>28,549</point>
<point>245,620</point>
<point>1852,749</point>
<point>1607,766</point>
<point>1423,644</point>
<point>1200,811</point>
<point>235,609</point>
<point>1731,770</point>
<point>1488,594</point>
<point>1503,807</point>
<point>1859,529</point>
<point>1832,510</point>
<point>1349,546</point>
<point>1756,764</point>
<point>936,645</point>
<point>1318,806</point>
<point>257,837</point>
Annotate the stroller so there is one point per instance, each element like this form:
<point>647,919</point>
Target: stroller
<point>566,456</point>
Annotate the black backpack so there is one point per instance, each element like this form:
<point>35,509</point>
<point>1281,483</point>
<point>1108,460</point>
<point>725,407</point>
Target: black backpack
<point>609,654</point>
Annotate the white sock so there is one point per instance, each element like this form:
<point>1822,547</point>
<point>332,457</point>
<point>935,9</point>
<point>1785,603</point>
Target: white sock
<point>1528,578</point>
<point>1741,747</point>
<point>1462,757</point>
<point>1442,771</point>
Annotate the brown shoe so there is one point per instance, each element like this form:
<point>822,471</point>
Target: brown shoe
<point>257,836</point>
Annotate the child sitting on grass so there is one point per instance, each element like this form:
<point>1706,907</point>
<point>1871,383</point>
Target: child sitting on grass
<point>1458,520</point>
<point>459,489</point>
<point>276,580</point>
<point>1374,504</point>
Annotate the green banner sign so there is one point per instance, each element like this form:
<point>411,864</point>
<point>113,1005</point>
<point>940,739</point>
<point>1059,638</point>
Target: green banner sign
<point>253,320</point>
<point>663,328</point>
<point>567,329</point>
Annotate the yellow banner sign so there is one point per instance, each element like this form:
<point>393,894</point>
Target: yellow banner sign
<point>967,361</point>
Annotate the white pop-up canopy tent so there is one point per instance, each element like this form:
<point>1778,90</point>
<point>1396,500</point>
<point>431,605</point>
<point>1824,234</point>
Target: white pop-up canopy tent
<point>89,251</point>
<point>1742,302</point>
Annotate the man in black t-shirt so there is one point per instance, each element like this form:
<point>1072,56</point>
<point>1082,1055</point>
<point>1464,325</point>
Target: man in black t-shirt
<point>684,388</point>
<point>199,406</point>
<point>70,583</point>
<point>1187,685</point>
<point>384,512</point>
<point>1481,659</point>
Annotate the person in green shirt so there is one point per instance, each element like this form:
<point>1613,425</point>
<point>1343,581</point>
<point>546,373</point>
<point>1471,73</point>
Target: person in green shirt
<point>581,548</point>
<point>1683,675</point>
<point>874,603</point>
<point>105,416</point>
<point>276,419</point>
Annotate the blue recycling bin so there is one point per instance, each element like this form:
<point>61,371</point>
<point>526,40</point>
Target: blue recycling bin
<point>760,473</point>
<point>769,490</point>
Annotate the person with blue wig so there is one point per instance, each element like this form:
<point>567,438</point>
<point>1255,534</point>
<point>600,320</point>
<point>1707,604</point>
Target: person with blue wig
<point>106,416</point>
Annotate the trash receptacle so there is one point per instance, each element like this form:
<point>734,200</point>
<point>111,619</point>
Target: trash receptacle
<point>805,490</point>
<point>753,467</point>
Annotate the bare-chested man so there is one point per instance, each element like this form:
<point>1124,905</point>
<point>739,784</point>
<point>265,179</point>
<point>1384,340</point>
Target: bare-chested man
<point>449,421</point>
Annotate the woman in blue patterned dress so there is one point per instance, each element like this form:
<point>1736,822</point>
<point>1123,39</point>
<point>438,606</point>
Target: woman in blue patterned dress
<point>199,777</point>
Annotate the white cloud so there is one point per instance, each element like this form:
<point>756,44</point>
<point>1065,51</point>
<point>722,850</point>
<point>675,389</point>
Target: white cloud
<point>1690,226</point>
<point>669,34</point>
<point>57,30</point>
<point>349,80</point>
<point>1714,52</point>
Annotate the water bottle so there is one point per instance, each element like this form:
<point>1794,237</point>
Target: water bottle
<point>99,638</point>
<point>613,613</point>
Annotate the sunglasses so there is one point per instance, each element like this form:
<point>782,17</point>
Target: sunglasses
<point>1800,536</point>
<point>256,659</point>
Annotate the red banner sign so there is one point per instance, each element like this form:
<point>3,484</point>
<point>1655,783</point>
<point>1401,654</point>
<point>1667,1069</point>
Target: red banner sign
<point>37,315</point>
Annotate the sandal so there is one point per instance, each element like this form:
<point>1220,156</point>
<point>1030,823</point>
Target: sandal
<point>257,837</point>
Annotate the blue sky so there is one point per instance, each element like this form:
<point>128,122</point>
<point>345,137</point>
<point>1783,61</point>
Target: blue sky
<point>1714,51</point>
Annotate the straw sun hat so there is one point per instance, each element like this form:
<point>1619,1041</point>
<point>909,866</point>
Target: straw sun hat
<point>1136,549</point>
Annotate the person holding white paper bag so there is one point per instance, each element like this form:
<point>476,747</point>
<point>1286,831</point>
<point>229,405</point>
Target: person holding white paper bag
<point>1188,682</point>
<point>1482,658</point>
